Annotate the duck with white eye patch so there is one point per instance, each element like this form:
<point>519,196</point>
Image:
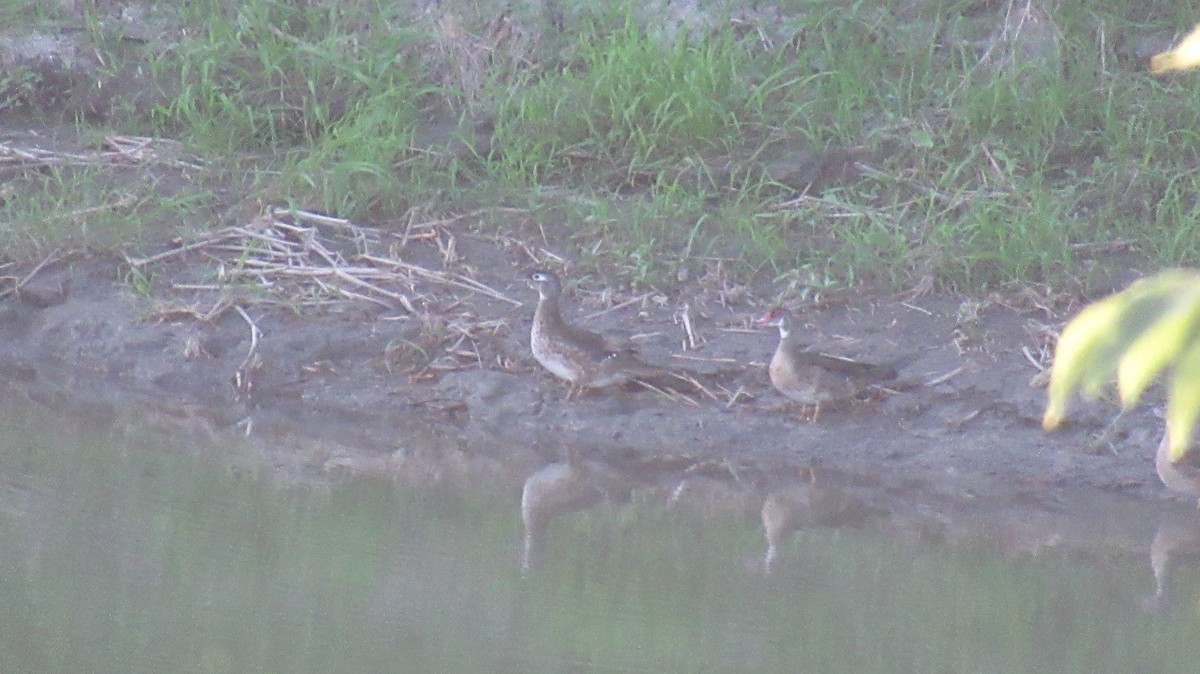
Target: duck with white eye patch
<point>812,378</point>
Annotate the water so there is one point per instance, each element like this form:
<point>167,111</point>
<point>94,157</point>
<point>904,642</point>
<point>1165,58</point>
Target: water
<point>122,552</point>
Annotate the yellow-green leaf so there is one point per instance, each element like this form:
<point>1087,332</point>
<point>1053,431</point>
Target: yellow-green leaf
<point>1183,400</point>
<point>1184,56</point>
<point>1091,331</point>
<point>1090,349</point>
<point>1175,306</point>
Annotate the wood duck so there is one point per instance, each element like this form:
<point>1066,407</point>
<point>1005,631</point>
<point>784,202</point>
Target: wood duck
<point>812,378</point>
<point>581,357</point>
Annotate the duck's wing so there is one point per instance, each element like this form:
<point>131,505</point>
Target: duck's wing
<point>846,367</point>
<point>596,346</point>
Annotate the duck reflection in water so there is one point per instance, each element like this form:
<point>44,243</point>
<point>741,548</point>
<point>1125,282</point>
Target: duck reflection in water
<point>557,488</point>
<point>1174,541</point>
<point>806,505</point>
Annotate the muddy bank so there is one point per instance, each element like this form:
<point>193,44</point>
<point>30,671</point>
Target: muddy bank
<point>355,388</point>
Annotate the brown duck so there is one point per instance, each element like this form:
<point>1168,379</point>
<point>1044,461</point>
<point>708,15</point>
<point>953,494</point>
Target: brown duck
<point>812,378</point>
<point>581,357</point>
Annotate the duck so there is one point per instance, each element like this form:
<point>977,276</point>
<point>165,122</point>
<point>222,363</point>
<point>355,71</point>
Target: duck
<point>580,357</point>
<point>812,378</point>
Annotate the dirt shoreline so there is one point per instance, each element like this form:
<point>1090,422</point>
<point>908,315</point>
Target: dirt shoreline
<point>964,458</point>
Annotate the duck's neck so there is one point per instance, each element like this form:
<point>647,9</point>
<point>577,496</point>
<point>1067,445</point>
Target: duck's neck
<point>547,316</point>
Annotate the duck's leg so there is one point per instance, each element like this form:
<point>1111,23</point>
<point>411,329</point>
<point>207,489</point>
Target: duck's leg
<point>804,411</point>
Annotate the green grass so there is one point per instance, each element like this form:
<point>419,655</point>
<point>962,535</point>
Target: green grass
<point>68,208</point>
<point>628,103</point>
<point>271,75</point>
<point>31,12</point>
<point>646,151</point>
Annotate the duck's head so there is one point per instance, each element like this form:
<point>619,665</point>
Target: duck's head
<point>776,318</point>
<point>545,282</point>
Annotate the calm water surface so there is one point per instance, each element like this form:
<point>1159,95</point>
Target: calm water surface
<point>120,554</point>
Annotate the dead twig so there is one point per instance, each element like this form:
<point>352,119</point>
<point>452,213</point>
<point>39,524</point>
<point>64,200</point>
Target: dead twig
<point>316,218</point>
<point>46,261</point>
<point>688,379</point>
<point>457,281</point>
<point>218,308</point>
<point>684,315</point>
<point>668,393</point>
<point>946,377</point>
<point>706,359</point>
<point>957,424</point>
<point>735,396</point>
<point>243,376</point>
<point>114,149</point>
<point>1032,361</point>
<point>203,243</point>
<point>619,306</point>
<point>354,280</point>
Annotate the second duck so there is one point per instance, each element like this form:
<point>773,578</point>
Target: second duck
<point>812,378</point>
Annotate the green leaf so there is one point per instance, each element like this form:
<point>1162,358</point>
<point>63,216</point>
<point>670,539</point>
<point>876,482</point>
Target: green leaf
<point>1089,331</point>
<point>1128,333</point>
<point>1183,400</point>
<point>1176,306</point>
